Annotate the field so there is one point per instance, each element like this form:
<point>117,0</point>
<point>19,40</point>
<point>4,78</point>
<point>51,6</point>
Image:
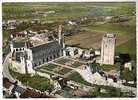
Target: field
<point>24,10</point>
<point>92,32</point>
<point>67,11</point>
<point>92,39</point>
<point>125,36</point>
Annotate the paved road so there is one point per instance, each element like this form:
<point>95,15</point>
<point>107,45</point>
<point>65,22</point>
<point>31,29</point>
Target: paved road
<point>88,79</point>
<point>6,72</point>
<point>87,75</point>
<point>20,87</point>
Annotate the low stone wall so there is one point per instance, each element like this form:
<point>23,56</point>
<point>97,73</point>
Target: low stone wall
<point>43,74</point>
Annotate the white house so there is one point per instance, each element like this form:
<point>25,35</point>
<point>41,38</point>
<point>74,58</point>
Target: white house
<point>128,65</point>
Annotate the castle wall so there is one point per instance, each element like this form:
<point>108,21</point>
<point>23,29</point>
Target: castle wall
<point>18,67</point>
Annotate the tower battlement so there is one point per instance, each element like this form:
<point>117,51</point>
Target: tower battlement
<point>109,35</point>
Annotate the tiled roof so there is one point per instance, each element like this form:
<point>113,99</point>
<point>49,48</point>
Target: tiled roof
<point>18,44</point>
<point>46,47</point>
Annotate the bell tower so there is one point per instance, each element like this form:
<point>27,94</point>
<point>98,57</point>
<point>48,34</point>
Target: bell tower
<point>61,39</point>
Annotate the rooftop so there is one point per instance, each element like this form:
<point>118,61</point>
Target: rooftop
<point>18,44</point>
<point>47,46</point>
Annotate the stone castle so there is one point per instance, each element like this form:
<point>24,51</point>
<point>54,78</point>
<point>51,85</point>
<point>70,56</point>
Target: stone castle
<point>108,49</point>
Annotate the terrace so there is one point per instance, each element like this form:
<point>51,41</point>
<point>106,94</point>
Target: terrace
<point>65,68</point>
<point>69,62</point>
<point>48,67</point>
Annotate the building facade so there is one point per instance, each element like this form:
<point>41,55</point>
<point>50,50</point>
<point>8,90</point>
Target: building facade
<point>41,54</point>
<point>108,49</point>
<point>32,56</point>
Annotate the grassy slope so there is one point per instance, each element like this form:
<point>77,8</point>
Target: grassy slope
<point>77,78</point>
<point>36,82</point>
<point>128,47</point>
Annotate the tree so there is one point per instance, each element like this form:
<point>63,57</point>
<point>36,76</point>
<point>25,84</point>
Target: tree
<point>127,75</point>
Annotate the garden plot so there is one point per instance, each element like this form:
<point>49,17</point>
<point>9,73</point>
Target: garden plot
<point>76,64</point>
<point>70,74</point>
<point>63,71</point>
<point>69,62</point>
<point>48,67</point>
<point>62,60</point>
<point>53,69</point>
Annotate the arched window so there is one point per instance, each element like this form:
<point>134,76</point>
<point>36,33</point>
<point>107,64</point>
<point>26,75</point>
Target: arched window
<point>50,57</point>
<point>35,64</point>
<point>54,56</point>
<point>47,59</point>
<point>39,62</point>
<point>57,54</point>
<point>43,60</point>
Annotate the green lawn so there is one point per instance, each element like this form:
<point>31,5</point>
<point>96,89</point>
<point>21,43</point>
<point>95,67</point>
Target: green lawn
<point>42,71</point>
<point>36,81</point>
<point>64,71</point>
<point>108,67</point>
<point>128,47</point>
<point>5,35</point>
<point>77,78</point>
<point>48,67</point>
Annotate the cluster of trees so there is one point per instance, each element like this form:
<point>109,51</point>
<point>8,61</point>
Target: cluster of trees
<point>128,75</point>
<point>108,92</point>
